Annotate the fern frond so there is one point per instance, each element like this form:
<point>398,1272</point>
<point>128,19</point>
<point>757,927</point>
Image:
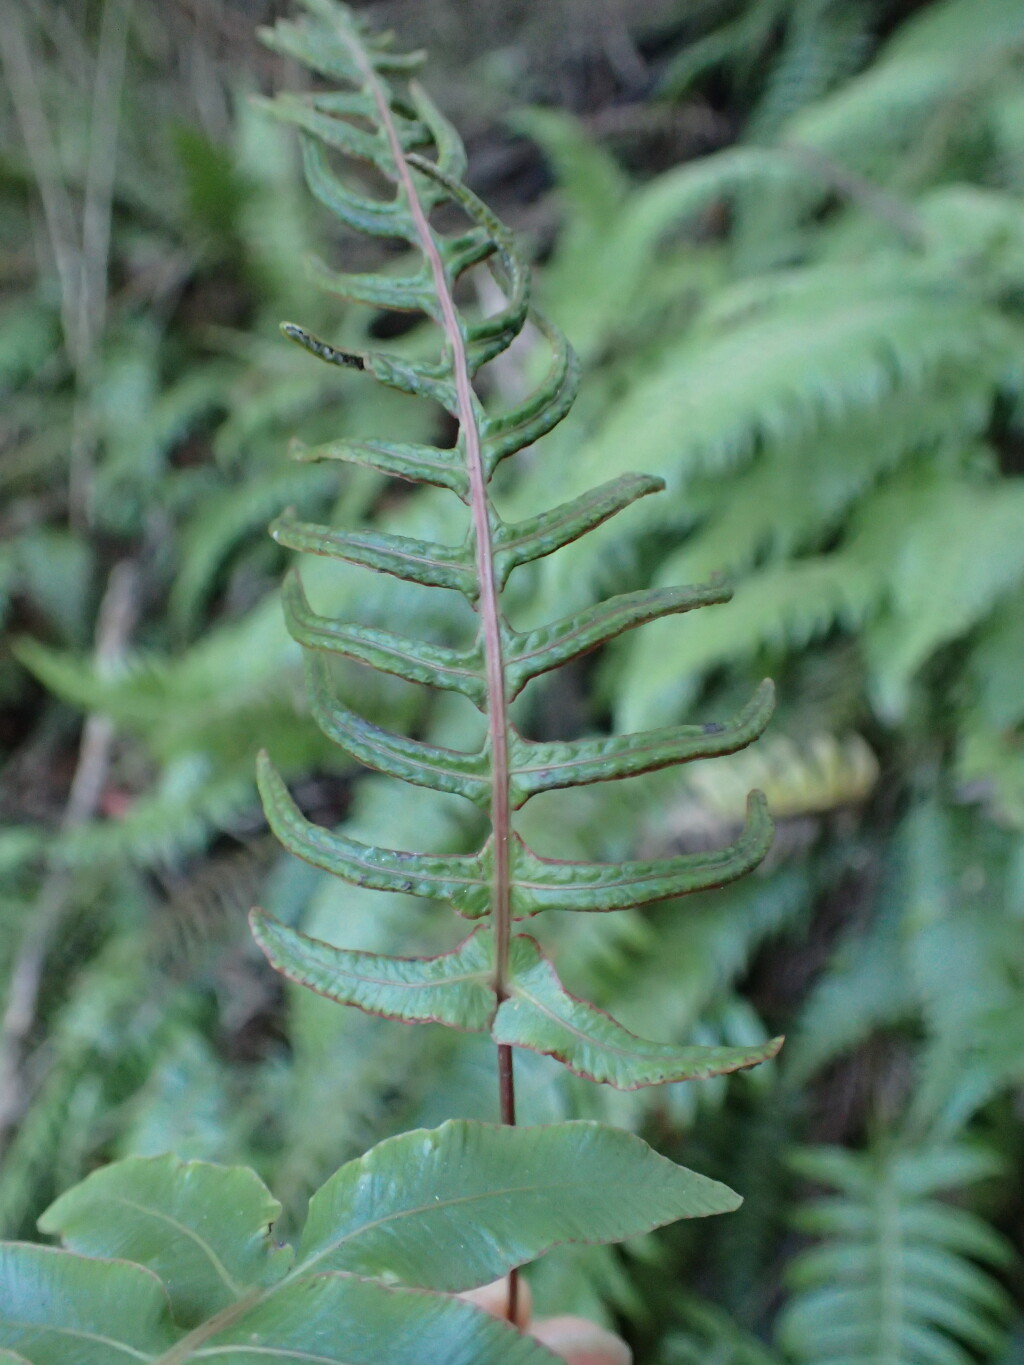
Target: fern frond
<point>900,1277</point>
<point>792,496</point>
<point>940,950</point>
<point>735,41</point>
<point>938,67</point>
<point>819,773</point>
<point>223,520</point>
<point>89,1029</point>
<point>147,694</point>
<point>339,1056</point>
<point>786,606</point>
<point>866,988</point>
<point>774,360</point>
<point>393,127</point>
<point>959,551</point>
<point>601,278</point>
<point>825,42</point>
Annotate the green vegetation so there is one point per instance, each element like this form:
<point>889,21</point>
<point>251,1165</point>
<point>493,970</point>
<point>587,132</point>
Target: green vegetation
<point>454,1208</point>
<point>814,336</point>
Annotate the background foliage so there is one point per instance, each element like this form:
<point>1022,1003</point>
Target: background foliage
<point>787,239</point>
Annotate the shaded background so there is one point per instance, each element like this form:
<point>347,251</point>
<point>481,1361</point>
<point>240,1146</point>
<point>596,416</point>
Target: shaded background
<point>787,238</point>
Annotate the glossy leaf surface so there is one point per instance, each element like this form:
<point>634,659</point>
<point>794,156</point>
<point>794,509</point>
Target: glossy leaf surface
<point>415,149</point>
<point>63,1309</point>
<point>343,1320</point>
<point>446,1209</point>
<point>204,1230</point>
<point>494,1197</point>
<point>57,1308</point>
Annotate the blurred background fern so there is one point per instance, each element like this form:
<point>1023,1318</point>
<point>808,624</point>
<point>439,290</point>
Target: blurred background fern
<point>787,238</point>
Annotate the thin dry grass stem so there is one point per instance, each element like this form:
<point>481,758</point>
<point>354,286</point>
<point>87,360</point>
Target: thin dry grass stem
<point>116,621</point>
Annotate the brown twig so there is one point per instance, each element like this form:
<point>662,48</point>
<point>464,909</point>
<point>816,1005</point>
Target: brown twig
<point>873,198</point>
<point>81,252</point>
<point>116,619</point>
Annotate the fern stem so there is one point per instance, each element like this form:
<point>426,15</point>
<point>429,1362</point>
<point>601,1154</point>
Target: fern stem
<point>507,1095</point>
<point>490,616</point>
<point>506,1084</point>
<point>116,620</point>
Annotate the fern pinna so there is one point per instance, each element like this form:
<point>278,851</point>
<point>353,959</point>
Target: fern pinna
<point>496,980</point>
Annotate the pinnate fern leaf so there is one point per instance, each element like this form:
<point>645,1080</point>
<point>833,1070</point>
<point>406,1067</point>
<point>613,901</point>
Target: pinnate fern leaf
<point>945,53</point>
<point>957,552</point>
<point>900,1277</point>
<point>494,980</point>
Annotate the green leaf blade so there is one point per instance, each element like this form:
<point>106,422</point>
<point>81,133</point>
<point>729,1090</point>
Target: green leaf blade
<point>452,161</point>
<point>534,652</point>
<point>338,133</point>
<point>410,760</point>
<point>421,379</point>
<point>509,432</point>
<point>546,884</point>
<point>314,46</point>
<point>336,1319</point>
<point>416,661</point>
<point>453,989</point>
<point>543,1017</point>
<point>396,459</point>
<point>494,334</point>
<point>434,876</point>
<point>203,1229</point>
<point>65,1308</point>
<point>416,561</point>
<point>538,767</point>
<point>376,217</point>
<point>559,526</point>
<point>495,1197</point>
<point>888,1230</point>
<point>403,294</point>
